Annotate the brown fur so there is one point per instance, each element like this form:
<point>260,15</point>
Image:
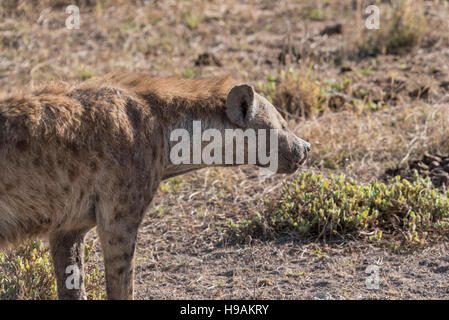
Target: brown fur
<point>77,156</point>
<point>72,157</point>
<point>174,97</point>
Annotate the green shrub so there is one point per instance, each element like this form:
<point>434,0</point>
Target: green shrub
<point>27,273</point>
<point>338,207</point>
<point>193,19</point>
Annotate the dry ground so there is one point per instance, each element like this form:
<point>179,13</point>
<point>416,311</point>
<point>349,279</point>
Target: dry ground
<point>392,108</point>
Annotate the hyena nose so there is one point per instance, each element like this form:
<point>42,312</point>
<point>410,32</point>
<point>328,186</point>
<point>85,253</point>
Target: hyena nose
<point>301,149</point>
<point>308,147</point>
<point>305,144</point>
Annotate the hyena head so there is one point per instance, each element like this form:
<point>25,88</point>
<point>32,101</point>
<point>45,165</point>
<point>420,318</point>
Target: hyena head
<point>247,109</point>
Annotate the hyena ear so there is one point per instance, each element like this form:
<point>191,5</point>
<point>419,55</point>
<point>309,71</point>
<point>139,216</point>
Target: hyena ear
<point>240,104</point>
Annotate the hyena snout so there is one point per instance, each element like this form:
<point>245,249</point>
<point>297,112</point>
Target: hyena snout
<point>301,151</point>
<point>293,155</point>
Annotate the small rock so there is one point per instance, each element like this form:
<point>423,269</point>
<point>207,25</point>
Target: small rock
<point>429,158</point>
<point>441,155</point>
<point>421,167</point>
<point>323,296</point>
<point>264,283</point>
<point>443,269</point>
<point>434,164</point>
<point>207,59</point>
<point>440,177</point>
<point>345,69</point>
<point>321,284</point>
<point>336,102</point>
<point>331,30</point>
<point>425,173</point>
<point>444,85</point>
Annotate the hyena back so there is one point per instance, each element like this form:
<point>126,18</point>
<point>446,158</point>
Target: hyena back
<point>73,157</point>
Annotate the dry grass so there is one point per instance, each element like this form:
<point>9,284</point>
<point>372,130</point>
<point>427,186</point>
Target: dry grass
<point>402,29</point>
<point>364,144</point>
<point>294,92</point>
<point>183,249</point>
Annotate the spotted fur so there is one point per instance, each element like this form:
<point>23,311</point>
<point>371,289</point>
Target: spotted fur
<point>75,156</point>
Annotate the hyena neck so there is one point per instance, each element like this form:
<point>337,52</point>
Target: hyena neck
<point>194,128</point>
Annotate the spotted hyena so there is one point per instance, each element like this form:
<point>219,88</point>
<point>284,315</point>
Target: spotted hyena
<point>73,157</point>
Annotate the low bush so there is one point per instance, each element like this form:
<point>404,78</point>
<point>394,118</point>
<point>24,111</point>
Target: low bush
<point>398,213</point>
<point>27,274</point>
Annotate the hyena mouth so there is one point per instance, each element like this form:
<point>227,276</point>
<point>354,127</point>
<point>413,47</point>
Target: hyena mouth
<point>295,164</point>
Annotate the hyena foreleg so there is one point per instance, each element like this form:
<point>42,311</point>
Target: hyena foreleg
<point>118,242</point>
<point>67,250</point>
